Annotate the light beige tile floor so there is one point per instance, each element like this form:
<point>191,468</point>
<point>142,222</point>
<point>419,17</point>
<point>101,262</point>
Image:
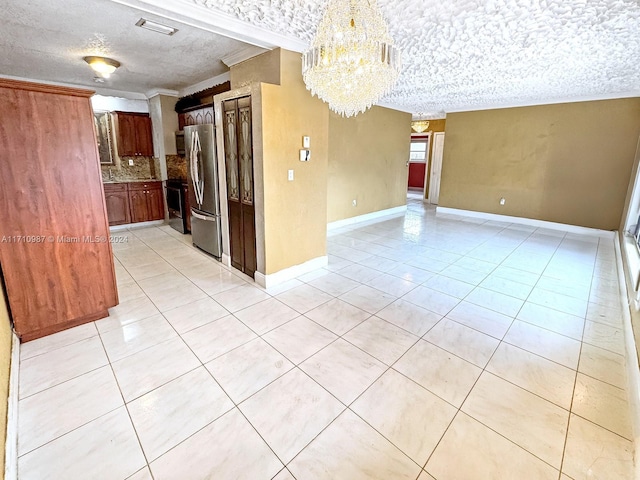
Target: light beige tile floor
<point>430,348</point>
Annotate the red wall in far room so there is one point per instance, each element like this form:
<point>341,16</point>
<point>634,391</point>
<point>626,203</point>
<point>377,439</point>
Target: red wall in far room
<point>416,175</point>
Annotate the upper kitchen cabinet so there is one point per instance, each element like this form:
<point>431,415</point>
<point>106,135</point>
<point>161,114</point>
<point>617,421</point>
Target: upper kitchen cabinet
<point>195,116</point>
<point>55,254</point>
<point>133,134</point>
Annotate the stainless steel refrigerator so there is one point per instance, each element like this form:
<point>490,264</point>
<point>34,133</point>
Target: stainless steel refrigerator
<point>202,171</point>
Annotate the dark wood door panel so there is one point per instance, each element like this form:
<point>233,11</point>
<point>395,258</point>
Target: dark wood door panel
<point>126,136</point>
<point>144,136</point>
<point>239,173</point>
<point>139,208</point>
<point>235,239</point>
<point>155,201</point>
<point>249,241</point>
<point>118,207</point>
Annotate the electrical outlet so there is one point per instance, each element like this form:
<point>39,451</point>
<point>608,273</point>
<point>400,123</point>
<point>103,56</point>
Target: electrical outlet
<point>131,162</point>
<point>290,176</point>
<point>354,202</point>
<point>502,201</point>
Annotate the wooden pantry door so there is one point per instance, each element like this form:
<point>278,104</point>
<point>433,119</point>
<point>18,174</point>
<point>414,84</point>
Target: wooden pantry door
<point>238,148</point>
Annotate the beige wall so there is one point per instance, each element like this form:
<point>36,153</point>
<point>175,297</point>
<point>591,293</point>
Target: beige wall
<point>363,158</point>
<point>567,163</point>
<point>5,365</point>
<point>295,213</point>
<point>262,68</point>
<point>367,162</point>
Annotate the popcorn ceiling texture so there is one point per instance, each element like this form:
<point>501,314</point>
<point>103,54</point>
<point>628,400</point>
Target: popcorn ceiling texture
<point>465,54</point>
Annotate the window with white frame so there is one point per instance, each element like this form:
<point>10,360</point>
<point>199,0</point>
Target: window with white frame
<point>418,153</point>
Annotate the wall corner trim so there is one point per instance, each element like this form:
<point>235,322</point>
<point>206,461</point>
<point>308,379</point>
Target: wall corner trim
<point>528,221</point>
<point>290,273</point>
<point>395,211</point>
<point>11,440</point>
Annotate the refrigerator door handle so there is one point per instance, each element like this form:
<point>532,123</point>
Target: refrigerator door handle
<point>202,217</point>
<point>198,184</point>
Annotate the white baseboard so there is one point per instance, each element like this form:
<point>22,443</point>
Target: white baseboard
<point>367,217</point>
<point>131,226</point>
<point>11,440</point>
<point>528,221</point>
<point>631,361</point>
<point>290,273</point>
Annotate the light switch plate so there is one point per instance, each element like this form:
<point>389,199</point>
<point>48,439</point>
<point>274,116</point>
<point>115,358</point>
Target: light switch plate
<point>290,175</point>
<point>131,162</point>
<point>306,142</point>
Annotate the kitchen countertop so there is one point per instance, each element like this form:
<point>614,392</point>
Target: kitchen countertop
<point>133,181</point>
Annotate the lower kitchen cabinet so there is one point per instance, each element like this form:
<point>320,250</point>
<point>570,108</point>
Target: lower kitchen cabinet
<point>116,198</point>
<point>134,202</point>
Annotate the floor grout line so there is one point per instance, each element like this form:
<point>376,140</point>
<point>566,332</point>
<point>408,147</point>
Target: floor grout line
<point>391,237</point>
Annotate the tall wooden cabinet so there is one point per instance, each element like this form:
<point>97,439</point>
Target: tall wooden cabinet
<point>55,255</point>
<point>238,150</point>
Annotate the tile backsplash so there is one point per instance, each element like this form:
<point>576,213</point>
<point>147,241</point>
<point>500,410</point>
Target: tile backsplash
<point>176,167</point>
<point>143,168</point>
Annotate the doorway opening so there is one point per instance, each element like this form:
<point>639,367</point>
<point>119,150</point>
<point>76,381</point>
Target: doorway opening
<point>418,163</point>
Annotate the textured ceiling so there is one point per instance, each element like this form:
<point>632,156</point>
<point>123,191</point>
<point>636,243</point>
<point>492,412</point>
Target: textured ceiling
<point>46,40</point>
<point>465,54</point>
<point>457,54</point>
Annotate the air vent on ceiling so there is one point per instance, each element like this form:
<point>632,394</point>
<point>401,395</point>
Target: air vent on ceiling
<point>156,27</point>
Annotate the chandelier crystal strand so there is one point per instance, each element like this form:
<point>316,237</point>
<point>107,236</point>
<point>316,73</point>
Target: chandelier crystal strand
<point>352,61</point>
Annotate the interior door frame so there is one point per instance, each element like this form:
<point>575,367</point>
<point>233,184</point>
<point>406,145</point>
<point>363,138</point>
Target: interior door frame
<point>436,159</point>
<point>426,138</point>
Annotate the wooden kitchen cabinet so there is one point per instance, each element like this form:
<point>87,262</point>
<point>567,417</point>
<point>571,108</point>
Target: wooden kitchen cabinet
<point>55,255</point>
<point>133,134</point>
<point>147,201</point>
<point>134,202</point>
<point>196,116</point>
<point>117,201</point>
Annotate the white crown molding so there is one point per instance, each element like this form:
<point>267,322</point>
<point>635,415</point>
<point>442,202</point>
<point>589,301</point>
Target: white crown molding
<point>241,55</point>
<point>188,12</point>
<point>161,91</point>
<point>211,82</point>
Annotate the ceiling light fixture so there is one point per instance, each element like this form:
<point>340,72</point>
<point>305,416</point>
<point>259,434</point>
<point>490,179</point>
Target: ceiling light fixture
<point>156,27</point>
<point>352,61</point>
<point>103,66</point>
<point>420,126</point>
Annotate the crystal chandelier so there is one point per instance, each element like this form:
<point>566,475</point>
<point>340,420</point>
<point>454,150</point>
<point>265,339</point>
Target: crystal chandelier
<point>352,60</point>
<point>420,126</point>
